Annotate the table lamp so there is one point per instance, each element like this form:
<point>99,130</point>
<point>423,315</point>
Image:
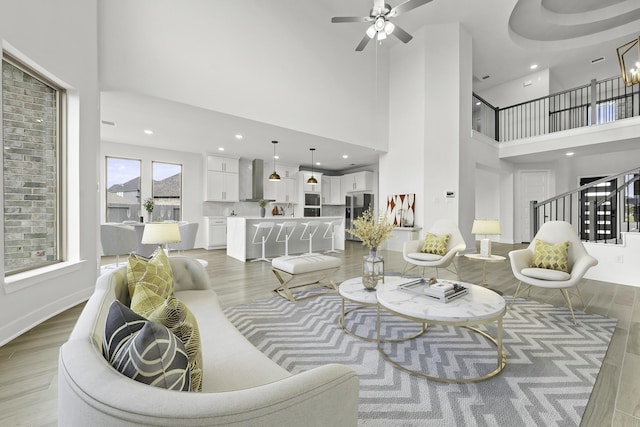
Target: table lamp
<point>161,233</point>
<point>486,227</point>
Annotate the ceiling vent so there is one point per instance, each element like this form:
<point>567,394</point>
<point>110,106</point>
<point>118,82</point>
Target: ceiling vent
<point>595,61</point>
<point>108,123</point>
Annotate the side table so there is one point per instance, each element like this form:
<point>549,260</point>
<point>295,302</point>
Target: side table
<point>491,258</point>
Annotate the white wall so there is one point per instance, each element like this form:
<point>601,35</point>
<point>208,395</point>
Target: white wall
<point>514,92</point>
<point>327,90</point>
<point>193,178</point>
<point>59,38</point>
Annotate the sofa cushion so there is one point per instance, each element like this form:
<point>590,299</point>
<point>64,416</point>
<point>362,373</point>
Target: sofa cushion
<point>176,316</point>
<point>435,244</point>
<point>154,271</point>
<point>145,351</point>
<point>545,274</point>
<point>553,257</point>
<point>120,324</point>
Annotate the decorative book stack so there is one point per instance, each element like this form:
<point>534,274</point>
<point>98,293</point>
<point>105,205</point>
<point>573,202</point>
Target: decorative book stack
<point>445,291</point>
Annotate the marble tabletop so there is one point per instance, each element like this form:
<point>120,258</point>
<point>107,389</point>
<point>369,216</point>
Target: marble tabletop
<point>479,305</point>
<point>354,290</point>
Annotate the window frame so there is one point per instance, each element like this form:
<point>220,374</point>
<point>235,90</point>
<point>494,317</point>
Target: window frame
<point>61,142</point>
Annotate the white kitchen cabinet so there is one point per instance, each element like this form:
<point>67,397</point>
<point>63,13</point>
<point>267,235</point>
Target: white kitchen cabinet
<point>287,191</point>
<point>331,190</point>
<point>223,164</point>
<point>358,181</point>
<point>223,182</point>
<point>217,237</point>
<point>310,188</point>
<point>222,187</point>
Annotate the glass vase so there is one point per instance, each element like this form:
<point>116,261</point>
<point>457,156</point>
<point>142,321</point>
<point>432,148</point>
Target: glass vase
<point>372,270</point>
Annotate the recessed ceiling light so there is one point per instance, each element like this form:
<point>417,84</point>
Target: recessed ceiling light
<point>148,131</point>
<point>276,157</point>
<point>570,153</point>
<point>220,148</point>
<point>238,136</point>
<point>345,156</point>
<point>317,163</point>
<point>533,66</point>
<point>478,103</point>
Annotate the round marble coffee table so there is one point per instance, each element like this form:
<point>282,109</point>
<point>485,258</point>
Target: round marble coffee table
<point>479,306</point>
<point>353,291</point>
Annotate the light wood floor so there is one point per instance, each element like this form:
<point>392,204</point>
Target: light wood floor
<point>28,364</point>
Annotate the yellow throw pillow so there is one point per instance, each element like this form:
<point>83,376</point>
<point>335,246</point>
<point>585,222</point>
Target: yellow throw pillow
<point>155,271</point>
<point>177,317</point>
<point>552,257</point>
<point>435,244</point>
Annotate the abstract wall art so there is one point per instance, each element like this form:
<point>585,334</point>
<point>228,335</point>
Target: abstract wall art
<point>401,209</point>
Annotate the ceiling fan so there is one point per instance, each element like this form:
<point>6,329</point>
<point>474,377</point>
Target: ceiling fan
<point>381,26</point>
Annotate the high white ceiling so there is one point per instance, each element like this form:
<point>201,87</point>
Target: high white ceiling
<point>508,36</point>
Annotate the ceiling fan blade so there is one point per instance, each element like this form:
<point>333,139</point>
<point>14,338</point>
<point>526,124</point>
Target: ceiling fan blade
<point>402,34</point>
<point>363,43</point>
<point>342,19</point>
<point>407,6</point>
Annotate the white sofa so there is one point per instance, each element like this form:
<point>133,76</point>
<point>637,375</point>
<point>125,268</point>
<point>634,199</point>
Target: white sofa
<point>241,386</point>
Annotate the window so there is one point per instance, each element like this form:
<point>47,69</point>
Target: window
<point>167,191</point>
<point>32,124</point>
<point>123,190</point>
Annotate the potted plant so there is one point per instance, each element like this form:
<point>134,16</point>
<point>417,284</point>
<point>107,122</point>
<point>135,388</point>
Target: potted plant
<point>148,206</point>
<point>262,203</point>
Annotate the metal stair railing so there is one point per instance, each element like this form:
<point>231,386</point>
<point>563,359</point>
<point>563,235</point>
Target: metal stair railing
<point>599,210</point>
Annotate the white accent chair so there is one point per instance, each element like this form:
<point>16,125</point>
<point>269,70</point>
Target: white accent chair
<point>415,258</point>
<point>118,239</point>
<point>330,233</point>
<point>188,232</point>
<point>579,261</point>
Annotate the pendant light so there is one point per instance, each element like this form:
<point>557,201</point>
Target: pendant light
<point>274,175</point>
<point>312,180</point>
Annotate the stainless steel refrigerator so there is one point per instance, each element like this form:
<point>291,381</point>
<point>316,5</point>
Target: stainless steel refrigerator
<point>355,204</point>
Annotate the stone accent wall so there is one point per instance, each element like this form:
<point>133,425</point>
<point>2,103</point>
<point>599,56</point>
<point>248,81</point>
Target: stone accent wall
<point>30,128</point>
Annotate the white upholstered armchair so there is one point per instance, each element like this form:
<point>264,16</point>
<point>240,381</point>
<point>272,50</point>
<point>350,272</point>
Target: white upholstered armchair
<point>578,262</point>
<point>414,257</point>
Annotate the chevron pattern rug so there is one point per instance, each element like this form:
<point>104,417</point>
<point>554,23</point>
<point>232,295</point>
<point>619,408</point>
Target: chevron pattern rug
<point>552,364</point>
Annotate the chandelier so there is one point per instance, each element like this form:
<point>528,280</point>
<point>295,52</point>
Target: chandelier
<point>630,74</point>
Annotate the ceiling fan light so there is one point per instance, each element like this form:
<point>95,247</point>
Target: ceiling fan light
<point>382,35</point>
<point>389,27</point>
<point>371,31</point>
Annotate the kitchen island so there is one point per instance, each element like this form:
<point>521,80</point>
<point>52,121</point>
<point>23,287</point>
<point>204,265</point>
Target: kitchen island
<point>240,232</point>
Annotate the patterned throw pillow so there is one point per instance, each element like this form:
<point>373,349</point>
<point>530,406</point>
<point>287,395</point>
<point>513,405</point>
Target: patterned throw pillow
<point>175,315</point>
<point>553,257</point>
<point>435,244</point>
<point>145,351</point>
<point>155,271</point>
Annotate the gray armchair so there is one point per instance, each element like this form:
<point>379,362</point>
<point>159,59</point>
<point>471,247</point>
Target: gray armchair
<point>415,258</point>
<point>118,239</point>
<point>188,232</point>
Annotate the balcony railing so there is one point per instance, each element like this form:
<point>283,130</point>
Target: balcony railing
<point>600,210</point>
<point>596,103</point>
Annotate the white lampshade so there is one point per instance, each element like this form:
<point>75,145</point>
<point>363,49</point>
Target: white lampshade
<point>160,233</point>
<point>486,226</point>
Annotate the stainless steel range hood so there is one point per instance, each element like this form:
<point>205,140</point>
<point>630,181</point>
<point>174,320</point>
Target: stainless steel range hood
<point>257,181</point>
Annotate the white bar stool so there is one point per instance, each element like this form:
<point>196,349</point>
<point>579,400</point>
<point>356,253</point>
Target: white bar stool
<point>263,231</point>
<point>310,229</point>
<point>286,230</point>
<point>330,233</point>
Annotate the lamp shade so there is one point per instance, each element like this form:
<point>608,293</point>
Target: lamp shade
<point>486,226</point>
<point>160,233</point>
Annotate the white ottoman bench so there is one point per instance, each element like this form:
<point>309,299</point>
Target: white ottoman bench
<point>292,267</point>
